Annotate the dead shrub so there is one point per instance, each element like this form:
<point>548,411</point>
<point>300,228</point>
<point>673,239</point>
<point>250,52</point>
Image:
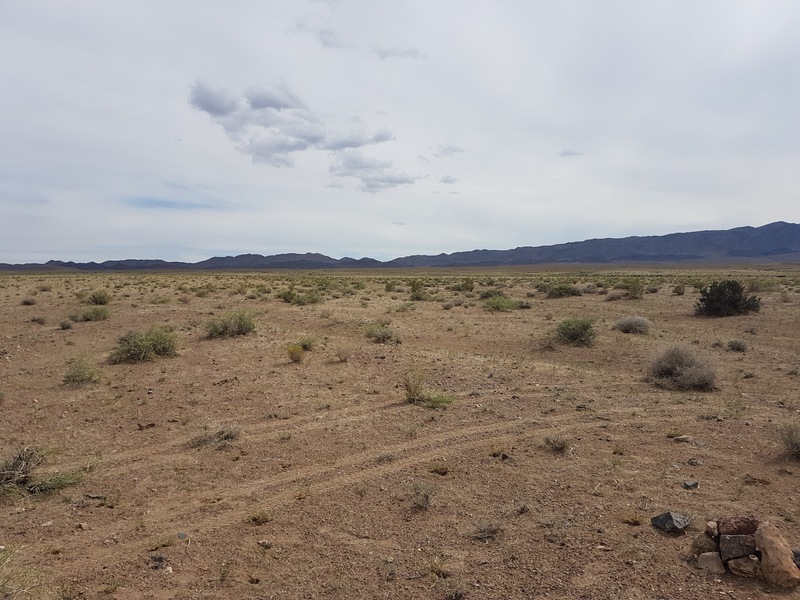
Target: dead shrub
<point>678,368</point>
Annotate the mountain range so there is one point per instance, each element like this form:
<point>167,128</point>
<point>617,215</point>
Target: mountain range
<point>775,242</point>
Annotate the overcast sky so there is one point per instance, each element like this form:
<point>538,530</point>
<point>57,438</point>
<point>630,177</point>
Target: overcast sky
<point>187,129</point>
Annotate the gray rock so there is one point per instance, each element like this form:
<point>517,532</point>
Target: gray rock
<point>670,522</point>
<point>704,543</point>
<point>746,566</point>
<point>736,546</point>
<point>691,485</point>
<point>711,562</point>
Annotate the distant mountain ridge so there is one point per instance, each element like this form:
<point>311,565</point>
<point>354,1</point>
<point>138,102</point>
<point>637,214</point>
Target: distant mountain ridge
<point>775,242</point>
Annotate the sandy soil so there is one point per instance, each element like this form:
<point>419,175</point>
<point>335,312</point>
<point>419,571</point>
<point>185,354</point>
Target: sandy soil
<point>337,487</point>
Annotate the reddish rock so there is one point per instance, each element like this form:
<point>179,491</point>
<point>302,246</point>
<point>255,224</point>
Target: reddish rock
<point>736,546</point>
<point>746,566</point>
<point>777,560</point>
<point>738,525</point>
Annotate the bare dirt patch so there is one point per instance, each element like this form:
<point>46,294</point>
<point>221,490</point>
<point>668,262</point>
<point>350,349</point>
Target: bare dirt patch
<point>232,471</point>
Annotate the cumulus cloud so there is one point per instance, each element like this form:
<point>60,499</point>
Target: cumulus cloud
<point>374,174</point>
<point>272,123</point>
<point>449,179</point>
<point>216,101</point>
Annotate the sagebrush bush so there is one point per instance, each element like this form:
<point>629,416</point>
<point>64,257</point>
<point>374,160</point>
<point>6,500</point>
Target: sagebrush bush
<point>576,332</point>
<point>380,334</point>
<point>140,346</point>
<point>563,290</point>
<point>99,297</point>
<point>93,313</point>
<point>789,435</point>
<point>678,368</point>
<point>230,324</point>
<point>633,324</point>
<point>737,345</point>
<point>80,370</point>
<point>726,298</point>
<point>502,303</point>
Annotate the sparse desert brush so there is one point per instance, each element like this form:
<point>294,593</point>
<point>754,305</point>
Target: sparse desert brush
<point>218,439</point>
<point>789,435</point>
<point>93,313</point>
<point>576,332</point>
<point>632,324</point>
<point>80,370</point>
<point>614,295</point>
<point>230,324</point>
<point>65,325</point>
<point>678,368</point>
<point>38,319</point>
<point>139,346</point>
<point>344,354</point>
<point>557,444</point>
<point>28,301</point>
<point>486,532</point>
<point>418,392</point>
<point>260,517</point>
<point>679,289</point>
<point>99,297</point>
<point>726,298</point>
<point>421,495</point>
<point>502,303</point>
<point>16,475</point>
<point>300,299</point>
<point>380,334</point>
<point>308,342</point>
<point>296,352</point>
<point>563,290</point>
<point>737,346</point>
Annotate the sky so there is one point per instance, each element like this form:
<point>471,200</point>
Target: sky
<point>186,129</point>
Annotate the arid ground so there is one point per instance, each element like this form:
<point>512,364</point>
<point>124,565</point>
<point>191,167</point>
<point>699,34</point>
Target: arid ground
<point>230,471</point>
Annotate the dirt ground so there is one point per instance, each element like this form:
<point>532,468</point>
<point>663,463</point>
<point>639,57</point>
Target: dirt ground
<point>337,487</point>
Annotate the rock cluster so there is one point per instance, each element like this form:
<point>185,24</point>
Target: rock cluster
<point>747,548</point>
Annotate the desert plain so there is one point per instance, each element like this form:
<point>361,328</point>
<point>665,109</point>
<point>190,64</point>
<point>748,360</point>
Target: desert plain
<point>236,470</point>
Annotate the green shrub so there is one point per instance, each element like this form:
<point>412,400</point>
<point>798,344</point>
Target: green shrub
<point>726,298</point>
<point>99,297</point>
<point>632,324</point>
<point>296,352</point>
<point>563,290</point>
<point>300,299</point>
<point>418,392</point>
<point>417,290</point>
<point>576,332</point>
<point>80,371</point>
<point>307,342</point>
<point>380,334</point>
<point>502,303</point>
<point>678,368</point>
<point>230,324</point>
<point>139,346</point>
<point>492,293</point>
<point>93,313</point>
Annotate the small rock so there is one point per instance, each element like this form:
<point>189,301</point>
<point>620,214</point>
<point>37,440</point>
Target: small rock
<point>704,543</point>
<point>777,559</point>
<point>738,525</point>
<point>82,526</point>
<point>711,562</point>
<point>795,551</point>
<point>266,544</point>
<point>683,439</point>
<point>670,522</point>
<point>693,462</point>
<point>690,485</point>
<point>746,566</point>
<point>712,529</point>
<point>736,546</point>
